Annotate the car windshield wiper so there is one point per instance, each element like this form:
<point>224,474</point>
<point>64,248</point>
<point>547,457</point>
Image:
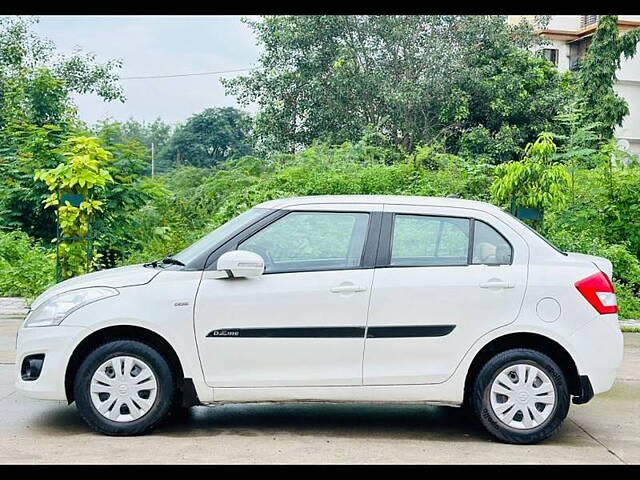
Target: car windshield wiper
<point>168,260</point>
<point>172,261</point>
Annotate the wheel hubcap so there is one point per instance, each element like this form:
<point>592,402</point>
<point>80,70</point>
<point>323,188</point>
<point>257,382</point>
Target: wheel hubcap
<point>123,389</point>
<point>522,396</point>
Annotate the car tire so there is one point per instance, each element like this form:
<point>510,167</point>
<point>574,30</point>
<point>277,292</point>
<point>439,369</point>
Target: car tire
<point>508,389</point>
<point>130,382</point>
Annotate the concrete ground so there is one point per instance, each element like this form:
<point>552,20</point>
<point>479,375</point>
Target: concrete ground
<point>606,430</point>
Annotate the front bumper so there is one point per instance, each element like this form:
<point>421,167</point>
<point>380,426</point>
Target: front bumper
<point>57,344</point>
<point>598,347</point>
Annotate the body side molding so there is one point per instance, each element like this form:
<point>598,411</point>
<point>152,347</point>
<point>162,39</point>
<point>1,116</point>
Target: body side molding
<point>335,332</point>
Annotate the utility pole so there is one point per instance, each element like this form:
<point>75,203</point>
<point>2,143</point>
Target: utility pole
<point>153,160</point>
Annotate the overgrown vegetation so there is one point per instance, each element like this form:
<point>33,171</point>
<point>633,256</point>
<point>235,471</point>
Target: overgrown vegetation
<point>26,267</point>
<point>358,105</point>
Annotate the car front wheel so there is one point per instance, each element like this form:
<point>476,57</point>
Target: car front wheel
<point>124,387</point>
<point>521,396</point>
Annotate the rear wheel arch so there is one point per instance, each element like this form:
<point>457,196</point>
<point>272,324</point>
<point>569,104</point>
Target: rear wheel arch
<point>120,332</point>
<point>533,341</point>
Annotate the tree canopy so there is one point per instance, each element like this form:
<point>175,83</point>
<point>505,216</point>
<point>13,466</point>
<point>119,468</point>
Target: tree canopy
<point>603,106</point>
<point>413,78</point>
<point>36,110</point>
<point>208,138</point>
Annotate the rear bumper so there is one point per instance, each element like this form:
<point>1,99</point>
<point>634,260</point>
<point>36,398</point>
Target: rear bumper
<point>598,347</point>
<point>585,390</point>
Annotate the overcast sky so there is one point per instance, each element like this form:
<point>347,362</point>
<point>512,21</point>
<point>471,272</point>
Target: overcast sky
<point>157,45</point>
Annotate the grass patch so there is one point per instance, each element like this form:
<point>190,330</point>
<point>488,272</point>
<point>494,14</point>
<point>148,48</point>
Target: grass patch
<point>630,329</point>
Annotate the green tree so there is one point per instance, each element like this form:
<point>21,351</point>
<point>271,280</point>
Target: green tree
<point>24,148</point>
<point>36,81</point>
<point>412,78</point>
<point>577,140</point>
<point>501,101</point>
<point>135,135</point>
<point>37,114</point>
<point>130,190</point>
<point>597,75</point>
<point>157,133</point>
<point>84,173</point>
<point>208,138</point>
<point>534,181</point>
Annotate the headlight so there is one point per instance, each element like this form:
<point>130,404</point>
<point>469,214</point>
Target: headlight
<point>56,309</point>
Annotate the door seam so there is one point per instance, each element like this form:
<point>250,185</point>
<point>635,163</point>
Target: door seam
<point>366,327</point>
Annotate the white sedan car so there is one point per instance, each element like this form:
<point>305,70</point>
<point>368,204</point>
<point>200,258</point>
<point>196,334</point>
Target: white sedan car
<point>335,299</point>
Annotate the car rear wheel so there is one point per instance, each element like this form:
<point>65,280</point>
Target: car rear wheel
<point>521,396</point>
<point>124,387</point>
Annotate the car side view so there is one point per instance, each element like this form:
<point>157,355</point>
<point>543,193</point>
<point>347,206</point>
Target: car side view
<point>335,299</point>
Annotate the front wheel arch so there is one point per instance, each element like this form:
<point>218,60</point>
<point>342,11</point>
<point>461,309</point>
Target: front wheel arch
<point>120,332</point>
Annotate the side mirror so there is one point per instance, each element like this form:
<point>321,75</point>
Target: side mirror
<point>241,263</point>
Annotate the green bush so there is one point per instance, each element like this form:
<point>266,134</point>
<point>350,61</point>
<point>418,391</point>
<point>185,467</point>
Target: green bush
<point>628,302</point>
<point>604,202</point>
<point>26,267</point>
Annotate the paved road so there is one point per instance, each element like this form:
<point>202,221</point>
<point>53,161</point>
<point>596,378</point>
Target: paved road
<point>606,430</point>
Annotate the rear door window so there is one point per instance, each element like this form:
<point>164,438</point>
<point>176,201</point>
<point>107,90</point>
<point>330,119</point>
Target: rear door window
<point>489,246</point>
<point>421,240</point>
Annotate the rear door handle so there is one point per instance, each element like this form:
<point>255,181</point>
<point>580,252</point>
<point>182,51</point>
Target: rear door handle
<point>496,284</point>
<point>348,288</point>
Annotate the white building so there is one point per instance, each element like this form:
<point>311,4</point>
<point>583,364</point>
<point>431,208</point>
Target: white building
<point>570,37</point>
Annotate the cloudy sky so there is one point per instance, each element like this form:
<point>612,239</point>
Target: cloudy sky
<point>158,45</point>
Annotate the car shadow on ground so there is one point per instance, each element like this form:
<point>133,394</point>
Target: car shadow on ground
<point>335,420</point>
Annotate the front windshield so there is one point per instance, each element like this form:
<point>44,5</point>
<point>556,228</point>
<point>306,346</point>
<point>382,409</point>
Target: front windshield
<point>207,242</point>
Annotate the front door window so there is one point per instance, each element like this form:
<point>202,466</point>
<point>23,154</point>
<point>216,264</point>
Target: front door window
<point>311,241</point>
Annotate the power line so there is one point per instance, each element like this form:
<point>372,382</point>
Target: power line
<point>186,74</point>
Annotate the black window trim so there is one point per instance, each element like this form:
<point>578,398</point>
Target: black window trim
<point>472,239</point>
<point>367,259</point>
<point>383,258</point>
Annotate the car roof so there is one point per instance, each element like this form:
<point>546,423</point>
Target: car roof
<point>378,199</point>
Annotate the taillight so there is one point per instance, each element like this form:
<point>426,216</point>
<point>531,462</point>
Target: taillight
<point>597,289</point>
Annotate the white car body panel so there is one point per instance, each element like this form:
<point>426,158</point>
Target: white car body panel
<point>153,309</point>
<point>281,301</point>
<point>115,277</point>
<point>183,307</point>
<point>398,298</point>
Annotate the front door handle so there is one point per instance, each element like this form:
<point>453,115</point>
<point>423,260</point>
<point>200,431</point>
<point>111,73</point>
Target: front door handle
<point>347,288</point>
<point>496,284</point>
